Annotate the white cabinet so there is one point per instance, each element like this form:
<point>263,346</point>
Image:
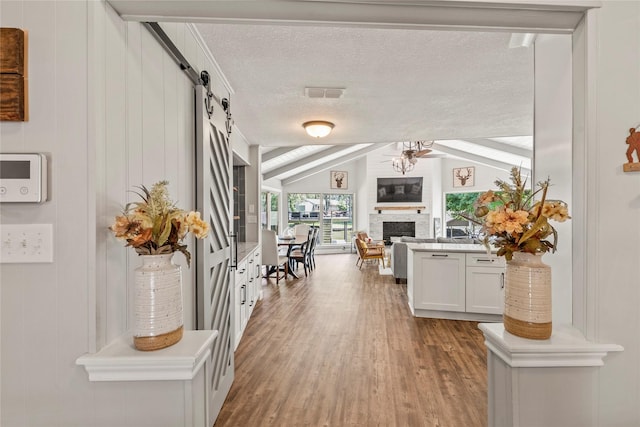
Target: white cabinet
<point>485,284</point>
<point>445,274</point>
<point>240,294</point>
<point>456,284</point>
<point>251,286</point>
<point>247,279</point>
<point>256,292</point>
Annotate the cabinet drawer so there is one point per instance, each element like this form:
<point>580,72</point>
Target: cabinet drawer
<point>241,271</point>
<point>485,260</point>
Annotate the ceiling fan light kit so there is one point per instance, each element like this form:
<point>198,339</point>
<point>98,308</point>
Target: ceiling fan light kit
<point>408,158</point>
<point>318,128</point>
<point>402,164</point>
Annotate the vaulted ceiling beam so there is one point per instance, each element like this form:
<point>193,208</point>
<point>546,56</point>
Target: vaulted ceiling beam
<point>277,152</point>
<point>478,159</point>
<point>332,163</point>
<point>303,161</point>
<point>501,146</point>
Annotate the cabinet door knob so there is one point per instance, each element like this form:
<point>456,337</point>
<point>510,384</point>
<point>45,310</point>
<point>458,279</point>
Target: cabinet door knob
<point>501,280</point>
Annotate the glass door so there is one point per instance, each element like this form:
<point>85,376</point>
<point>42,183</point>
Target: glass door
<point>332,213</point>
<point>337,219</point>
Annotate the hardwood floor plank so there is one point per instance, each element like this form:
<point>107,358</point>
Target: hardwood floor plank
<point>340,348</point>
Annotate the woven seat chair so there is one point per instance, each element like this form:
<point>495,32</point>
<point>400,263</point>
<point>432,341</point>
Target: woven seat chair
<point>367,252</point>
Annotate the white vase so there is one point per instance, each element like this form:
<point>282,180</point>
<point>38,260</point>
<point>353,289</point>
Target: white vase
<point>527,296</point>
<point>158,320</point>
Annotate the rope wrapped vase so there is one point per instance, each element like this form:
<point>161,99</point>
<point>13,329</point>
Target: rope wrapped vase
<point>158,318</point>
<point>527,310</point>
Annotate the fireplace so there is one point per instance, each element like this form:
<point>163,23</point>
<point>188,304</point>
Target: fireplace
<point>397,229</point>
<point>421,221</point>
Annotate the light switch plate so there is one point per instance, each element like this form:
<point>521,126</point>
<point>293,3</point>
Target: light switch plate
<point>26,243</point>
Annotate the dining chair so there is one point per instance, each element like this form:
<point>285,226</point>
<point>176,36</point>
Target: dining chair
<point>301,255</point>
<point>271,259</point>
<point>301,229</point>
<point>312,248</point>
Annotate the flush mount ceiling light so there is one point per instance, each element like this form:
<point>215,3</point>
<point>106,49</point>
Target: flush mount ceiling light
<point>318,128</point>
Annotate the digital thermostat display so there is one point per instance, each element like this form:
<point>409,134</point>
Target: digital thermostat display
<point>18,169</point>
<point>23,177</point>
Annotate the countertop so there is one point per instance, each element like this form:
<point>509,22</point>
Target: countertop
<point>244,248</point>
<point>448,247</point>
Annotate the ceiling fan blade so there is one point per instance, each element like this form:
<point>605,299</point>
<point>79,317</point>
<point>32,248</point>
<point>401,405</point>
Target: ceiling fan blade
<point>422,153</point>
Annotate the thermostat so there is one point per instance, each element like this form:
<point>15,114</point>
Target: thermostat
<point>23,177</point>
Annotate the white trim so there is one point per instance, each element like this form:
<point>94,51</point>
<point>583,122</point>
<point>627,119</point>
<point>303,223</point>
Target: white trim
<point>534,16</point>
<point>119,361</point>
<point>567,347</point>
<point>591,284</point>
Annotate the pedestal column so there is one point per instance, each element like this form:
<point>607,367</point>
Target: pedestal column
<point>542,383</point>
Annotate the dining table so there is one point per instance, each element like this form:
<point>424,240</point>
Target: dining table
<point>291,242</point>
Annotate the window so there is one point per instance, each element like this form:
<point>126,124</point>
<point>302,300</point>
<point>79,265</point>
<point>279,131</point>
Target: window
<point>454,225</point>
<point>269,208</point>
<point>331,213</point>
<point>455,203</point>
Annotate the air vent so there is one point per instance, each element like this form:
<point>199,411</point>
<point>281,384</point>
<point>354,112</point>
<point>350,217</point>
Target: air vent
<point>323,92</point>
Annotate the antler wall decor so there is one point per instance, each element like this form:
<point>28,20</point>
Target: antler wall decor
<point>463,177</point>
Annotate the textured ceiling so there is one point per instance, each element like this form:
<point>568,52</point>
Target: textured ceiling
<point>401,84</point>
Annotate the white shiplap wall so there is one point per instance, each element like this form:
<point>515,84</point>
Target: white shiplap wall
<point>111,110</point>
<point>146,136</point>
<point>44,306</point>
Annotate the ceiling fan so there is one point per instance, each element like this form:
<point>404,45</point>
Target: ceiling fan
<point>414,150</point>
<point>411,152</point>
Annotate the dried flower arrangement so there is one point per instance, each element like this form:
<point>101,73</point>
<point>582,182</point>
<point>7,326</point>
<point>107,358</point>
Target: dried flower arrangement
<point>155,225</point>
<point>513,222</point>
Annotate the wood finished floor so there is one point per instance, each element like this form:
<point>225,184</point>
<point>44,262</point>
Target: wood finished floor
<point>340,348</point>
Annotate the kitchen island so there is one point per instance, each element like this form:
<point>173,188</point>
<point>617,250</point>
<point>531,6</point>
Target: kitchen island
<point>455,281</point>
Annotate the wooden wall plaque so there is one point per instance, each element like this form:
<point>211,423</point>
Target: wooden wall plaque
<point>13,75</point>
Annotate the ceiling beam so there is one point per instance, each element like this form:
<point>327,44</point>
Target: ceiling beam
<point>277,152</point>
<point>334,162</point>
<point>304,160</point>
<point>501,146</point>
<point>478,159</point>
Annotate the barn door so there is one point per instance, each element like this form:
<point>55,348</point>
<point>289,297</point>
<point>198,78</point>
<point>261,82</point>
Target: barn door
<point>214,294</point>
